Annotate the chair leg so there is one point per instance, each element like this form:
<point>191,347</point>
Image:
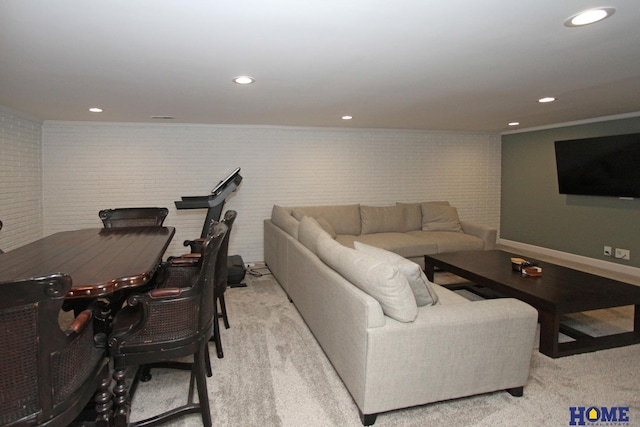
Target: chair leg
<point>216,338</point>
<point>207,360</point>
<point>201,382</point>
<point>120,398</point>
<point>104,404</point>
<point>223,311</point>
<point>145,376</point>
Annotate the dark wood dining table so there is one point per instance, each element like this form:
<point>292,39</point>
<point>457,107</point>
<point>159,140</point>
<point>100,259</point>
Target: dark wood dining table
<point>105,265</point>
<point>100,261</point>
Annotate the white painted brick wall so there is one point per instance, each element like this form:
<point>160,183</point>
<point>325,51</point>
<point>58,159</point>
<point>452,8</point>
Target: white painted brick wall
<point>91,166</point>
<point>20,179</point>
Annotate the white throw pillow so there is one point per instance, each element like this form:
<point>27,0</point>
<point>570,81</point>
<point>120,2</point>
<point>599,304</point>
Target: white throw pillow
<point>377,278</point>
<point>420,285</point>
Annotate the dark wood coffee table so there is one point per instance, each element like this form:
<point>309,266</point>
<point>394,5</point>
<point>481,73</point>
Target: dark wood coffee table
<point>560,290</point>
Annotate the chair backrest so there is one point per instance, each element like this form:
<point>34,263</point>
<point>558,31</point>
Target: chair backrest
<point>221,263</point>
<point>133,217</point>
<point>46,375</point>
<point>207,277</point>
<point>174,318</point>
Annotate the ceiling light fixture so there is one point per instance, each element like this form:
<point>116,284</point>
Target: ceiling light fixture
<point>514,123</point>
<point>590,16</point>
<point>546,99</point>
<point>95,110</point>
<point>347,117</point>
<point>243,80</point>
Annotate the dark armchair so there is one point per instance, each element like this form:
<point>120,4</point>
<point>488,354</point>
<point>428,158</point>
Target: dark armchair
<point>221,283</point>
<point>133,217</point>
<point>164,324</point>
<point>47,376</point>
<point>129,217</point>
<point>221,275</point>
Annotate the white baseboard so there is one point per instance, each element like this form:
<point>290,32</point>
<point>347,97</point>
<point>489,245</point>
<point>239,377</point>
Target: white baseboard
<point>605,265</point>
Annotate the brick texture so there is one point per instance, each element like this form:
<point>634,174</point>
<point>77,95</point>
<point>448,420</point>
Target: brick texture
<point>20,179</point>
<point>56,176</point>
<point>91,166</point>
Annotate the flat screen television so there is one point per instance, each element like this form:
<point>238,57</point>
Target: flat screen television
<point>601,166</point>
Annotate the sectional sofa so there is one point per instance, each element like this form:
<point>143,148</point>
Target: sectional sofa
<point>395,339</point>
<point>408,229</point>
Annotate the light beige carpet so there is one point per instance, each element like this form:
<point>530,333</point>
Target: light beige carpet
<point>275,374</point>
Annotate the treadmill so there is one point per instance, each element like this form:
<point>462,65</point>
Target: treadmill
<point>214,202</point>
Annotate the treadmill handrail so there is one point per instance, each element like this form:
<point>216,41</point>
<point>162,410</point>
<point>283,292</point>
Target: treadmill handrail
<point>213,202</point>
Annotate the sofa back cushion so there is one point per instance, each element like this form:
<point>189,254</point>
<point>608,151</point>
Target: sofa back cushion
<point>377,278</point>
<point>282,217</point>
<point>326,226</point>
<point>344,219</point>
<point>383,219</point>
<point>440,218</point>
<point>308,233</point>
<point>414,214</point>
<point>420,286</point>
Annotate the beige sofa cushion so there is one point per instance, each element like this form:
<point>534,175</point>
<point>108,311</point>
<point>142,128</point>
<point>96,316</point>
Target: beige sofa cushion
<point>344,219</point>
<point>403,244</point>
<point>308,233</point>
<point>450,241</point>
<point>382,219</point>
<point>282,218</point>
<point>437,217</point>
<point>326,226</point>
<point>448,297</point>
<point>413,211</point>
<point>377,278</point>
<point>414,214</point>
<point>420,285</point>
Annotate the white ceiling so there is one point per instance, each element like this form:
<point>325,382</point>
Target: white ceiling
<point>462,65</point>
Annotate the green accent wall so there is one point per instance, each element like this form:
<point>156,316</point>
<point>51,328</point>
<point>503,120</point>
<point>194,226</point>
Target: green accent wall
<point>533,211</point>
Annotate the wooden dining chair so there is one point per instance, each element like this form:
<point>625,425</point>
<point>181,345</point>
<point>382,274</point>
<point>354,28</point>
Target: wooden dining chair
<point>165,324</point>
<point>221,275</point>
<point>133,217</point>
<point>47,375</point>
<point>221,284</point>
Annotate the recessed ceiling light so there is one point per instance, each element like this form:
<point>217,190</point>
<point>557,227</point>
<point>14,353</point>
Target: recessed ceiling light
<point>347,117</point>
<point>590,16</point>
<point>95,110</point>
<point>546,99</point>
<point>514,123</point>
<point>243,80</point>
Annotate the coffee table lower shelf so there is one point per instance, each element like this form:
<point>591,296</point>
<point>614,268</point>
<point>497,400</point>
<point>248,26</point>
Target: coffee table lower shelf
<point>489,272</point>
<point>551,327</point>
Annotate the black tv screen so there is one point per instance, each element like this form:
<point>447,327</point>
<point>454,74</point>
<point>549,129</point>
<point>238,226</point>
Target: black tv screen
<point>602,166</point>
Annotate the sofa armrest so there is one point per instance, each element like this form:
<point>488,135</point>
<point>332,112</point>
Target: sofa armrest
<point>456,349</point>
<point>487,234</point>
<point>282,217</point>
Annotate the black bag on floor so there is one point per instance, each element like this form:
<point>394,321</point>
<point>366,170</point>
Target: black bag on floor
<point>235,270</point>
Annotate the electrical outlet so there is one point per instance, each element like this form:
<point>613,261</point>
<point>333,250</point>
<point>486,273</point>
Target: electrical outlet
<point>623,254</point>
<point>607,251</point>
